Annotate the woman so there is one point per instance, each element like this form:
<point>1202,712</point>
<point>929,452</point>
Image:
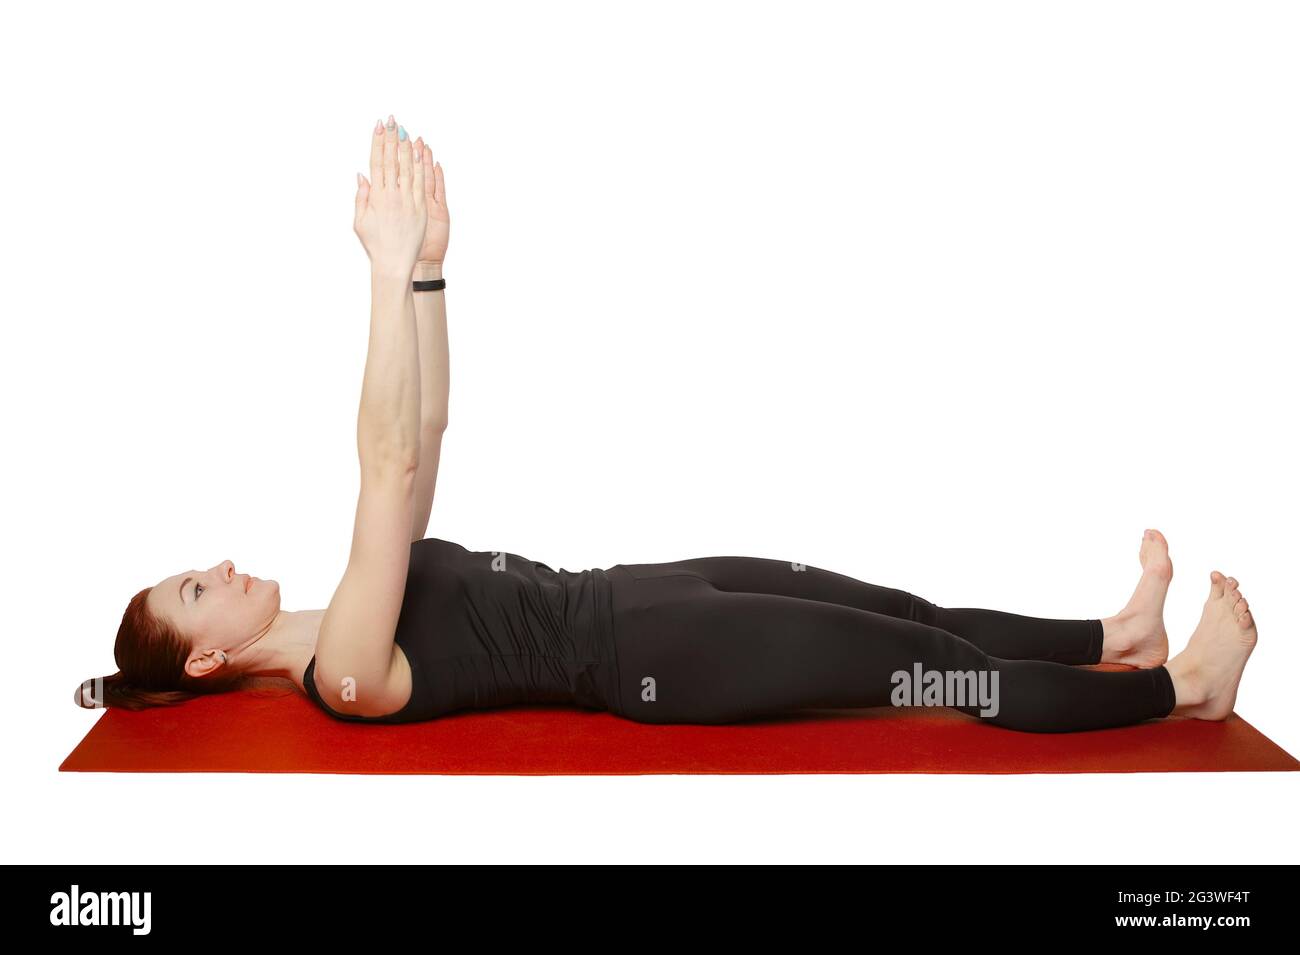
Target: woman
<point>419,627</point>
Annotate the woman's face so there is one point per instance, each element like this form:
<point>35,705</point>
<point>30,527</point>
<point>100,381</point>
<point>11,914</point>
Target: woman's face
<point>216,608</point>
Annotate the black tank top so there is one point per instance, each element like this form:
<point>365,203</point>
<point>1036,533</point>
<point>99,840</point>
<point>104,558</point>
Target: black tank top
<point>489,628</point>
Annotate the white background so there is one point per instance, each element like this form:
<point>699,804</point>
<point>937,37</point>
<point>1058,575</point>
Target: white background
<point>952,297</point>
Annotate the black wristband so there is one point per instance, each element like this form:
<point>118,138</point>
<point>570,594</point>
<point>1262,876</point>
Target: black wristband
<point>428,285</point>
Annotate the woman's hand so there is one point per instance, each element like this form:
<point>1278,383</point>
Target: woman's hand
<point>390,214</point>
<point>438,229</point>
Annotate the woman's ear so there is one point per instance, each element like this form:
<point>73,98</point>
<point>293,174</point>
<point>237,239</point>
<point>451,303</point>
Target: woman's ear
<point>206,662</point>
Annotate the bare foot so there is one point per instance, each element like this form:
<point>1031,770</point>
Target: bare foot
<point>1136,635</point>
<point>1207,673</point>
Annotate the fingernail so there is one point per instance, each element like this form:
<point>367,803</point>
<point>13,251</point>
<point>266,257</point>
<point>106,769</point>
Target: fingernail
<point>379,127</point>
<point>391,121</point>
<point>401,133</point>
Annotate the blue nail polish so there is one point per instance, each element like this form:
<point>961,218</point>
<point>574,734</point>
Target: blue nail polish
<point>401,133</point>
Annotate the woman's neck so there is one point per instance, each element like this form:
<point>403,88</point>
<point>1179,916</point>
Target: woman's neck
<point>285,648</point>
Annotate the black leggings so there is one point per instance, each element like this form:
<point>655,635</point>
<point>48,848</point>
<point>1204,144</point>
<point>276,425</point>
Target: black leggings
<point>724,639</point>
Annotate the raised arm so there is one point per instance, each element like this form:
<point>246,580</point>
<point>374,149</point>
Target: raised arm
<point>359,669</point>
<point>431,328</point>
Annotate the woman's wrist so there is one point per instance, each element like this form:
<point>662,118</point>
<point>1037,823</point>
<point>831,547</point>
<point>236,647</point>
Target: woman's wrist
<point>389,272</point>
<point>424,271</point>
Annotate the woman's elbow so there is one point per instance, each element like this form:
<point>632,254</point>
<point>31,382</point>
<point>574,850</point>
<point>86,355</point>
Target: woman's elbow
<point>390,461</point>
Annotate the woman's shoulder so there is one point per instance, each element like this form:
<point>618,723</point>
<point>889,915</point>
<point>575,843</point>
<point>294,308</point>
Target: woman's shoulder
<point>399,695</point>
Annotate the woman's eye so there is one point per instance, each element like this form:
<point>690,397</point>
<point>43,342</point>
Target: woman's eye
<point>197,588</point>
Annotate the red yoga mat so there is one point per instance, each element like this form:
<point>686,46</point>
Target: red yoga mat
<point>281,731</point>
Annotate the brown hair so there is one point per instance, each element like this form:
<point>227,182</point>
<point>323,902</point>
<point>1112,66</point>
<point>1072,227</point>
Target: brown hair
<point>150,655</point>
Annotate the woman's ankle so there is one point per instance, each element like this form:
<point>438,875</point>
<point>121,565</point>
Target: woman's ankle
<point>1189,689</point>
